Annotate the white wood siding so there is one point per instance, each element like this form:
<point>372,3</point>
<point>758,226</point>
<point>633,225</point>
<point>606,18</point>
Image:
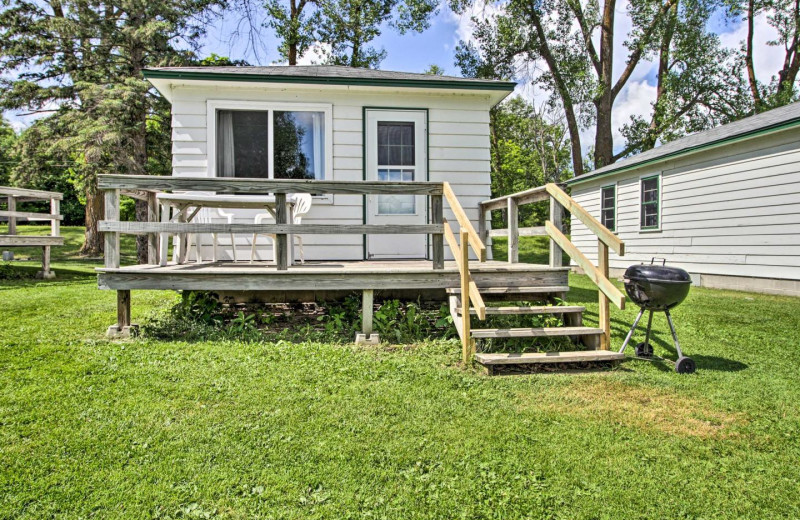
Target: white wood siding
<point>732,211</point>
<point>458,136</point>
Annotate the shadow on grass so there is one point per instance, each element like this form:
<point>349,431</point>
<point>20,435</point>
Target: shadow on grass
<point>25,275</point>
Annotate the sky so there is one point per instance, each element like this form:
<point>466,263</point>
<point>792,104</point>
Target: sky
<point>414,52</point>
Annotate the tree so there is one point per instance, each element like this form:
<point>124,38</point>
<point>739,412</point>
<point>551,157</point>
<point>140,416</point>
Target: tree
<point>574,42</point>
<point>434,70</point>
<point>529,147</point>
<point>82,64</point>
<point>784,17</point>
<point>7,156</point>
<point>346,26</point>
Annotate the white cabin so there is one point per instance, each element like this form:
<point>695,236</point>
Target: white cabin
<point>333,123</point>
<point>724,204</point>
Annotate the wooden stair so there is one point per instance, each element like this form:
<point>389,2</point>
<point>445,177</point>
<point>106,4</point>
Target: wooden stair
<point>572,317</point>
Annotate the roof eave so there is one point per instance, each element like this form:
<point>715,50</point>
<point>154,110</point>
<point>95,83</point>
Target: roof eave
<point>785,125</point>
<point>506,86</point>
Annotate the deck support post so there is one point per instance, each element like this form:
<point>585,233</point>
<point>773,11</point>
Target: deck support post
<point>437,217</point>
<point>281,247</point>
<point>556,217</point>
<point>111,238</point>
<point>45,273</point>
<point>367,337</point>
<point>603,315</point>
<point>12,221</point>
<point>123,327</point>
<point>152,238</point>
<point>513,231</point>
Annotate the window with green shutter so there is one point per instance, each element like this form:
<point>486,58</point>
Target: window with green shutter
<point>650,211</point>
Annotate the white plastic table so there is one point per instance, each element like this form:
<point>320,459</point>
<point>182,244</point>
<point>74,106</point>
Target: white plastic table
<point>183,202</point>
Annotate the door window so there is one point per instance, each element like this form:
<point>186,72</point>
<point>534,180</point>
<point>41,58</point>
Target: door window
<point>396,163</point>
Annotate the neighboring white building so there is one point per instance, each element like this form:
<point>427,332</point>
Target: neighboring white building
<point>334,123</point>
<point>724,204</point>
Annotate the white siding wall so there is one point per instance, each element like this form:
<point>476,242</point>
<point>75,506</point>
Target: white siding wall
<point>732,211</point>
<point>458,127</point>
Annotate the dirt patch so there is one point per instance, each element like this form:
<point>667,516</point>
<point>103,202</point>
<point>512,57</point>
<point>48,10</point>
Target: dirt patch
<point>641,407</point>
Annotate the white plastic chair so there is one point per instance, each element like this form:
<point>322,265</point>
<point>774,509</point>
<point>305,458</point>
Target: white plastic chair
<point>192,239</point>
<point>302,205</point>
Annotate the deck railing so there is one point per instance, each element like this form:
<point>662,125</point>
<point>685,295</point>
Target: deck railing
<point>146,188</point>
<point>14,195</point>
<point>559,201</point>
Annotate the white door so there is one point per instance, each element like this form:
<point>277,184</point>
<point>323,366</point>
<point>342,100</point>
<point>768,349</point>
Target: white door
<point>396,151</point>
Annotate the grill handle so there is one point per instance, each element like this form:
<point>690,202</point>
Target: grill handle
<point>653,260</point>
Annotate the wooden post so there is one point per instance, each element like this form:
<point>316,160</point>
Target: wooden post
<point>280,242</point>
<point>55,225</point>
<point>163,238</point>
<point>152,238</point>
<point>366,312</point>
<point>123,309</point>
<point>603,318</point>
<point>556,217</point>
<point>12,221</point>
<point>513,231</point>
<point>482,228</point>
<point>111,238</point>
<point>437,217</point>
<point>46,262</point>
<point>466,340</point>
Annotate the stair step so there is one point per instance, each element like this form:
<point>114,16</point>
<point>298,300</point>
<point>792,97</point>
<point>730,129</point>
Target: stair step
<point>535,332</point>
<point>548,357</point>
<point>523,309</point>
<point>515,290</point>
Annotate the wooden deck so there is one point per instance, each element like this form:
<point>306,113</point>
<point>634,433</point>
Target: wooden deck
<point>329,276</point>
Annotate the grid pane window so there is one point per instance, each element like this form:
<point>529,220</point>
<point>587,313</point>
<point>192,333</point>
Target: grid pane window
<point>608,207</point>
<point>395,143</point>
<point>650,200</point>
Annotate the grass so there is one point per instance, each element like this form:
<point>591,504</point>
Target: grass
<point>233,429</point>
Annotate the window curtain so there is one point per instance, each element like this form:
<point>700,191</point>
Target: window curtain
<point>319,145</point>
<point>226,164</point>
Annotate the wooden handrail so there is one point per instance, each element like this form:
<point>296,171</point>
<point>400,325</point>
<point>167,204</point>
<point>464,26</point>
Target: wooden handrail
<point>470,296</point>
<point>242,185</point>
<point>25,193</point>
<point>559,242</point>
<point>594,274</point>
<point>269,229</point>
<point>474,239</point>
<point>602,232</point>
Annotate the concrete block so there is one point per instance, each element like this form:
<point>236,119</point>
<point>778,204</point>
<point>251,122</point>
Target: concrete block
<point>372,339</point>
<point>129,331</point>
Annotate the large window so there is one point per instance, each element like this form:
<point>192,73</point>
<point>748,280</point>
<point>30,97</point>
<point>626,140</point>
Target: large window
<point>650,201</point>
<point>274,144</point>
<point>608,207</point>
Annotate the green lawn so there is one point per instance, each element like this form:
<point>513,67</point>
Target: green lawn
<point>228,429</point>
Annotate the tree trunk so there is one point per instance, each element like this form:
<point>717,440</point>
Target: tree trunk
<point>93,240</point>
<point>604,141</point>
<point>748,58</point>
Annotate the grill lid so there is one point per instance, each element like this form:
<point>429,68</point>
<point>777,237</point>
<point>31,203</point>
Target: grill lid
<point>661,273</point>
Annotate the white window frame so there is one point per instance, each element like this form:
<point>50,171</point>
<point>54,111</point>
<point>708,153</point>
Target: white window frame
<point>660,209</point>
<point>214,105</point>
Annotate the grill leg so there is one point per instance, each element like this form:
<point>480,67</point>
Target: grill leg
<point>674,334</point>
<point>630,332</point>
<point>649,324</point>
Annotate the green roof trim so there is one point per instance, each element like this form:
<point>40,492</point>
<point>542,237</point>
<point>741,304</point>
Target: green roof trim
<point>461,84</point>
<point>686,151</point>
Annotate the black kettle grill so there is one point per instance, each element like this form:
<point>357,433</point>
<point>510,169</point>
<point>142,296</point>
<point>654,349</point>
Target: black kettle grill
<point>656,287</point>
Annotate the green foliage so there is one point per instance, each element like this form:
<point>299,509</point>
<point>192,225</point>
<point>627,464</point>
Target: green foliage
<point>434,70</point>
<point>7,156</point>
<point>529,148</point>
<point>345,28</point>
